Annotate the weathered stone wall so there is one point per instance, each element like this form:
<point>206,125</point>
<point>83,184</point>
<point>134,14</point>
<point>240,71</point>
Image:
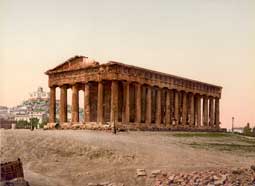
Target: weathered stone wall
<point>11,170</point>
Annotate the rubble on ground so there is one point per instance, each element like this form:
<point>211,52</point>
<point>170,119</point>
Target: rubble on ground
<point>219,177</point>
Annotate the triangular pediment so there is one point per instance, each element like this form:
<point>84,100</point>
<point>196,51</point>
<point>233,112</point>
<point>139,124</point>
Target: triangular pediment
<point>74,63</point>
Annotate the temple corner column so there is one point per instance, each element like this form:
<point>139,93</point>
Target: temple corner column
<point>52,110</point>
<point>217,112</point>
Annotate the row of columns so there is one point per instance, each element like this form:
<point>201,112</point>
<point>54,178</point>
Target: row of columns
<point>182,115</point>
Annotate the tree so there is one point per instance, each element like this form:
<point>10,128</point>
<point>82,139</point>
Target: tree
<point>253,131</point>
<point>45,120</point>
<point>22,124</point>
<point>247,130</point>
<point>34,122</point>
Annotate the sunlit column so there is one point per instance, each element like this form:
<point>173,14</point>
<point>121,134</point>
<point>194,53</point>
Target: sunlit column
<point>75,104</point>
<point>52,112</point>
<point>63,104</point>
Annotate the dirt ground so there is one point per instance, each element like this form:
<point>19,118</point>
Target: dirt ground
<point>79,157</point>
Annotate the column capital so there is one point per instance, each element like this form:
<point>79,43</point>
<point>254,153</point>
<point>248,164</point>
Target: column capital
<point>205,96</point>
<point>53,86</point>
<point>63,86</point>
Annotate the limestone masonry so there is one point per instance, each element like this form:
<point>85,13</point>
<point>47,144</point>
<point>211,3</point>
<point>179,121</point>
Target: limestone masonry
<point>131,97</point>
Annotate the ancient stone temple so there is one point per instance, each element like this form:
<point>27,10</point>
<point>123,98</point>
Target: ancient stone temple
<point>130,97</point>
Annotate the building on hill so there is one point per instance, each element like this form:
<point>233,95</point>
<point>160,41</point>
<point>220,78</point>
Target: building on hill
<point>6,119</point>
<point>4,112</point>
<point>36,106</point>
<point>39,94</point>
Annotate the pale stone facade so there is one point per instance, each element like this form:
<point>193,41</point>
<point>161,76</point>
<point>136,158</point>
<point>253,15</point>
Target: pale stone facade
<point>132,98</point>
<point>39,94</point>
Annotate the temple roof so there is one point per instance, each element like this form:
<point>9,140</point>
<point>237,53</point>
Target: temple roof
<point>82,62</point>
<point>74,63</point>
<point>157,72</point>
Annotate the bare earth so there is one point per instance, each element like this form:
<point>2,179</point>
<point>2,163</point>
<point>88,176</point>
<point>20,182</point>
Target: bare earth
<point>79,157</point>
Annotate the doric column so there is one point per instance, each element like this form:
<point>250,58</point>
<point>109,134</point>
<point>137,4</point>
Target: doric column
<point>52,114</point>
<point>176,107</point>
<point>158,107</point>
<point>114,102</point>
<point>205,111</point>
<point>217,112</point>
<point>198,110</point>
<point>127,103</point>
<point>123,110</point>
<point>100,103</point>
<point>86,103</point>
<point>211,112</point>
<point>148,106</point>
<point>184,108</point>
<point>75,104</point>
<point>192,105</point>
<point>168,110</point>
<point>138,103</point>
<point>63,104</point>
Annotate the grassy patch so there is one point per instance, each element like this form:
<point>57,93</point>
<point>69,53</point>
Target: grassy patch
<point>246,140</point>
<point>224,146</point>
<point>202,134</point>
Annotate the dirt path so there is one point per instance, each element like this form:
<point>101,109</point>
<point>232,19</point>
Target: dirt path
<point>79,157</point>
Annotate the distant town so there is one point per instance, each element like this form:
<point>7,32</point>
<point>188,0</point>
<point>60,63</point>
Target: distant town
<point>35,106</point>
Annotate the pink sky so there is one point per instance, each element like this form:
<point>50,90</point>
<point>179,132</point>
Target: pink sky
<point>210,41</point>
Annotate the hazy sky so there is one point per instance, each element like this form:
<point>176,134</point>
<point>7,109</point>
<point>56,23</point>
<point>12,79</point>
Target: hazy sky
<point>206,40</point>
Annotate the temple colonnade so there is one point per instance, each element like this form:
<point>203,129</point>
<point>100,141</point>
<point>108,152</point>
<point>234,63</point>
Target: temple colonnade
<point>135,105</point>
